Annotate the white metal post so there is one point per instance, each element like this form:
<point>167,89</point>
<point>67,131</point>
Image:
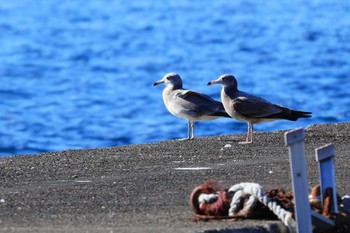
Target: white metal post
<point>295,141</point>
<point>325,157</point>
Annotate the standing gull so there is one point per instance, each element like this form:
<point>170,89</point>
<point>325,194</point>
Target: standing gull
<point>187,104</point>
<point>250,108</point>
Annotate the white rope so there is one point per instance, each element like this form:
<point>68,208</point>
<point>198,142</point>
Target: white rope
<point>207,198</point>
<point>255,192</point>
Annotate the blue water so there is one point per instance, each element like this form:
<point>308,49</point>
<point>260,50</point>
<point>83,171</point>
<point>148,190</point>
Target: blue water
<point>78,74</point>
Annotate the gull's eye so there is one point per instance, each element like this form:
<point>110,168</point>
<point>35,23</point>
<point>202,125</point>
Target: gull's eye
<point>224,78</point>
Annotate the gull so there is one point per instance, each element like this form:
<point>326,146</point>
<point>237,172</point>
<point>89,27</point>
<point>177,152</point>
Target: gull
<point>250,108</point>
<point>187,104</point>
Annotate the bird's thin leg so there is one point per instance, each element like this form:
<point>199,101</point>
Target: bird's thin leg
<point>192,126</point>
<point>188,132</point>
<point>249,138</point>
<point>251,132</point>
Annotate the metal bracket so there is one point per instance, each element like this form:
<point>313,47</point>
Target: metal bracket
<point>295,141</point>
<point>325,157</point>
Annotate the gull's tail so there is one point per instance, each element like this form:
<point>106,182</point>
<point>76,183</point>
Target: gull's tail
<point>221,112</point>
<point>289,114</point>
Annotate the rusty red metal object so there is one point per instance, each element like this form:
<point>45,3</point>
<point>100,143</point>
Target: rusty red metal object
<point>218,210</point>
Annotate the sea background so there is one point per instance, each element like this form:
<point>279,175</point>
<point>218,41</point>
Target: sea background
<point>78,74</point>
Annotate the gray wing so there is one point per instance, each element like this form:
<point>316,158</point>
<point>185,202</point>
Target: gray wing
<point>197,102</point>
<point>254,106</point>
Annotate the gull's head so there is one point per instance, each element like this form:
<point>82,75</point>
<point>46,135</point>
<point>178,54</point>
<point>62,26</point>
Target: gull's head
<point>226,80</point>
<point>171,79</point>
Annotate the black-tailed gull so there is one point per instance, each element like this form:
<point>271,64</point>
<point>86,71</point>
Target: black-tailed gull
<point>250,108</point>
<point>187,104</point>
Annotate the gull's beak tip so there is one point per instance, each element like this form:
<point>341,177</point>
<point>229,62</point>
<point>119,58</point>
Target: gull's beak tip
<point>157,83</point>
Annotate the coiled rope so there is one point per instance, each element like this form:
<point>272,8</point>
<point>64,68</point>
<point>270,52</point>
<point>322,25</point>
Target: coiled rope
<point>255,193</point>
<point>247,200</point>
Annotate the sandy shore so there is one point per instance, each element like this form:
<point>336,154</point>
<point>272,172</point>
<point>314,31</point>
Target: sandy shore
<point>145,188</point>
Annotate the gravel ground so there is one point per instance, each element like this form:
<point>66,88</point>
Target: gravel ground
<point>145,188</point>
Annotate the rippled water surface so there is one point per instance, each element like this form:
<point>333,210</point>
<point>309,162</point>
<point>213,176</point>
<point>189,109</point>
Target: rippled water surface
<point>79,74</point>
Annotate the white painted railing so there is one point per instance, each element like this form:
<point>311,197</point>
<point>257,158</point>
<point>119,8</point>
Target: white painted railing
<point>305,216</point>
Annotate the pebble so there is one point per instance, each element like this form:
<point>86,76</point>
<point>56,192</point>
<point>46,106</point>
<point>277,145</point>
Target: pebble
<point>226,146</point>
